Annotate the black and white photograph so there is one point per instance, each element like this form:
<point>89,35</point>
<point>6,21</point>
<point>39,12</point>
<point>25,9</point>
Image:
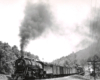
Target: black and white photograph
<point>49,39</point>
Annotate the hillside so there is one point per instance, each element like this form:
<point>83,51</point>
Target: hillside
<point>81,56</point>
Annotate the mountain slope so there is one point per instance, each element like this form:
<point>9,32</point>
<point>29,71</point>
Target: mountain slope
<point>81,56</point>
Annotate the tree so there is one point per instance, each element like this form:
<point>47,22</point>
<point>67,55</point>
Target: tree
<point>1,56</point>
<point>75,61</point>
<point>16,51</point>
<point>66,63</point>
<point>83,62</point>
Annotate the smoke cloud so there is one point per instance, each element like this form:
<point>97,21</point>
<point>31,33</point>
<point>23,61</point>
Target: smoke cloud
<point>91,29</point>
<point>37,19</point>
<point>94,23</point>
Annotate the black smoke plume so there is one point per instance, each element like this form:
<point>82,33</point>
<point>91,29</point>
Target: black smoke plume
<point>36,20</point>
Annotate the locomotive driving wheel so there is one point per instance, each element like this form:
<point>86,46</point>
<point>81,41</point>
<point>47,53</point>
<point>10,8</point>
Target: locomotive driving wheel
<point>18,78</point>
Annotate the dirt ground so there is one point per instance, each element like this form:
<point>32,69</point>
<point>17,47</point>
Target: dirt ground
<point>5,77</point>
<point>73,77</point>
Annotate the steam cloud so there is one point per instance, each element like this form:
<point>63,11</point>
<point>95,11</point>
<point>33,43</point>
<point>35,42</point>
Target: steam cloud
<point>37,19</point>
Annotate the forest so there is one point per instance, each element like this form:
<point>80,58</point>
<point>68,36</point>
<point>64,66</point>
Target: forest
<point>8,55</point>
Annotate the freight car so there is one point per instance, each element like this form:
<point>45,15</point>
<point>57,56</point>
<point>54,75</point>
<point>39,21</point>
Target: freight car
<point>26,68</point>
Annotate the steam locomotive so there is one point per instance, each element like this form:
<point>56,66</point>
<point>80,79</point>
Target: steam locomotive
<point>26,68</point>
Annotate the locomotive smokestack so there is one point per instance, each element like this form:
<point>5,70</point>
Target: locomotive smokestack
<point>22,54</point>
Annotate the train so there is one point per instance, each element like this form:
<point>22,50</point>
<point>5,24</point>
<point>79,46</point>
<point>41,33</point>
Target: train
<point>26,68</point>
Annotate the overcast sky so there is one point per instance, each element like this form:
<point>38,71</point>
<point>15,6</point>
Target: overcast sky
<point>52,45</point>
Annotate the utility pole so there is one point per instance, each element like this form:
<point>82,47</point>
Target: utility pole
<point>94,61</point>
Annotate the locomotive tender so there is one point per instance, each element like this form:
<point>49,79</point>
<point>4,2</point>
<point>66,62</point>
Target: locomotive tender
<point>26,68</point>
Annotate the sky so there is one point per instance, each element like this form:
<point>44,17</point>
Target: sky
<point>69,15</point>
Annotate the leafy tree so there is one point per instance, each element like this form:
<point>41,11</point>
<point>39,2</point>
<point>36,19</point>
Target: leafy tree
<point>66,63</point>
<point>1,56</point>
<point>16,51</point>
